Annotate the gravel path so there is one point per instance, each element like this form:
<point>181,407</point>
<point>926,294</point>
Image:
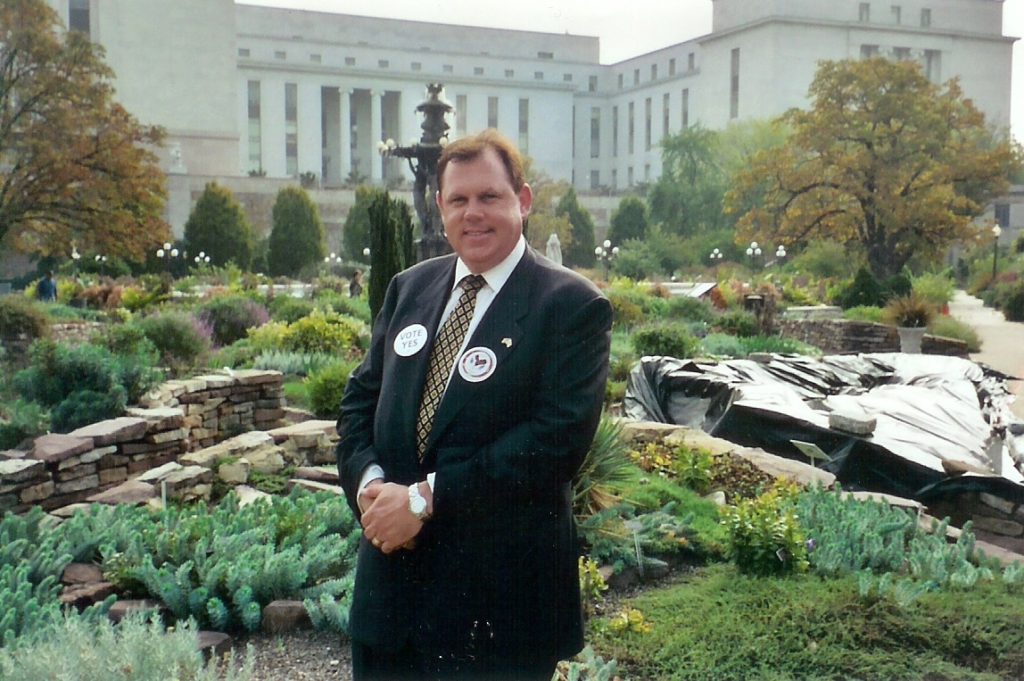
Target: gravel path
<point>306,655</point>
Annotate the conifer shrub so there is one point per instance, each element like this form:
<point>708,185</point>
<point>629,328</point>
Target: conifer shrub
<point>230,316</point>
<point>863,290</point>
<point>20,316</point>
<point>219,228</point>
<point>289,309</point>
<point>667,339</point>
<point>736,323</point>
<point>83,407</point>
<point>326,387</point>
<point>57,371</point>
<point>689,309</point>
<point>181,340</point>
<point>297,238</point>
<point>21,420</point>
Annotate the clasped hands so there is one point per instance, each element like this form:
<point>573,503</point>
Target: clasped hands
<point>387,521</point>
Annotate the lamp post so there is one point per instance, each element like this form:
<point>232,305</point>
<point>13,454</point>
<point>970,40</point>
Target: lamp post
<point>422,157</point>
<point>100,260</point>
<point>606,253</point>
<point>201,259</point>
<point>166,254</point>
<point>332,261</point>
<point>996,231</point>
<point>780,253</point>
<point>75,257</point>
<point>754,253</point>
<point>716,258</point>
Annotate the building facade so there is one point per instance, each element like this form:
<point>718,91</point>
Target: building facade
<point>282,94</point>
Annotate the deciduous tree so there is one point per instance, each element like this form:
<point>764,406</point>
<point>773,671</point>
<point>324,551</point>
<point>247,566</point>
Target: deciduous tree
<point>297,237</point>
<point>76,169</point>
<point>884,160</point>
<point>629,221</point>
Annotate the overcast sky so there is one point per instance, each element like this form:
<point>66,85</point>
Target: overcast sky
<point>626,29</point>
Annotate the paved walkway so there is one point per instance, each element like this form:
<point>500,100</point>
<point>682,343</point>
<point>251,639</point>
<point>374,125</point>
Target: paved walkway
<point>1002,342</point>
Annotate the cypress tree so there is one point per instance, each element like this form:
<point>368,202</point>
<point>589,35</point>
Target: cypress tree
<point>297,238</point>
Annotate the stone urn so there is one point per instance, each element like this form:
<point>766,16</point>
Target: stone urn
<point>910,338</point>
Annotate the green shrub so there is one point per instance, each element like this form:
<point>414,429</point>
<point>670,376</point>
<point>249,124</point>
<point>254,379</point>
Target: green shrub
<point>293,363</point>
<point>83,407</point>
<point>865,313</point>
<point>736,323</point>
<point>238,355</point>
<point>897,285</point>
<point>689,309</point>
<point>627,307</point>
<point>665,339</point>
<point>136,649</point>
<point>126,339</point>
<point>1012,303</point>
<point>229,316</point>
<point>605,467</point>
<point>327,386</point>
<point>863,290</point>
<point>765,537</point>
<point>288,309</point>
<point>181,340</point>
<point>56,371</point>
<point>951,327</point>
<point>937,288</point>
<point>19,315</point>
<point>22,420</point>
<point>325,332</point>
<point>297,238</point>
<point>344,304</point>
<point>723,345</point>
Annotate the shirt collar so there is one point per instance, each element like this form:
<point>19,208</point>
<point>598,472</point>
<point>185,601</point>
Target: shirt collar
<point>497,275</point>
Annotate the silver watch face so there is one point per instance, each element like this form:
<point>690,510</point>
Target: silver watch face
<point>418,505</point>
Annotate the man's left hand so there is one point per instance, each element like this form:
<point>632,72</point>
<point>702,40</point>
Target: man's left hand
<point>388,523</point>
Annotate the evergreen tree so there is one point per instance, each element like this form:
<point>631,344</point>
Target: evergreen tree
<point>297,238</point>
<point>356,234</point>
<point>580,251</point>
<point>218,227</point>
<point>629,221</point>
<point>391,247</point>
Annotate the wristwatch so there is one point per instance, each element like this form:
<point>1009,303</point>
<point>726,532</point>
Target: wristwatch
<point>417,504</point>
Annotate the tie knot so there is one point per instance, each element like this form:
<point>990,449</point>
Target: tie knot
<point>472,283</point>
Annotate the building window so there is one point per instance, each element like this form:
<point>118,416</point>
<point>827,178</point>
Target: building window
<point>630,129</point>
<point>664,115</point>
<point>691,61</point>
<point>592,84</point>
<point>255,137</point>
<point>901,53</point>
<point>78,16</point>
<point>243,52</point>
<point>383,63</point>
<point>416,66</point>
<point>933,65</point>
<point>868,51</point>
<point>350,61</point>
<point>620,81</point>
<point>615,179</point>
<point>672,66</point>
<point>478,70</point>
<point>1002,214</point>
<point>734,83</point>
<point>685,106</point>
<point>280,54</point>
<point>615,131</point>
<point>647,172</point>
<point>492,112</point>
<point>647,124</point>
<point>636,76</point>
<point>545,55</point>
<point>926,18</point>
<point>897,14</point>
<point>509,73</point>
<point>595,179</point>
<point>524,125</point>
<point>448,68</point>
<point>629,176</point>
<point>567,77</point>
<point>316,58</point>
<point>572,136</point>
<point>595,132</point>
<point>538,75</point>
<point>654,72</point>
<point>291,129</point>
<point>864,14</point>
<point>460,115</point>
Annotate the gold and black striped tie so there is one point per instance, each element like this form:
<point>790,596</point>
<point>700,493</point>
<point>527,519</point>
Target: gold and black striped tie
<point>447,345</point>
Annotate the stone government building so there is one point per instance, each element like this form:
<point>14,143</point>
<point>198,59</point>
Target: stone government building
<point>253,97</point>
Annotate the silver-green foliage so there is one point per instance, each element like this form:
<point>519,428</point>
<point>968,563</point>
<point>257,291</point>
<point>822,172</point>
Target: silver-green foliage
<point>589,666</point>
<point>293,363</point>
<point>135,650</point>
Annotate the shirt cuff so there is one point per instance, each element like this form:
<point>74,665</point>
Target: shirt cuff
<point>430,481</point>
<point>370,473</point>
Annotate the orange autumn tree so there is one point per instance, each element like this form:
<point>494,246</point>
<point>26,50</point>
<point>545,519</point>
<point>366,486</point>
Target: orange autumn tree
<point>884,161</point>
<point>76,169</point>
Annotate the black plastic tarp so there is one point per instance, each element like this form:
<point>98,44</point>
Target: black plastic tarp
<point>937,417</point>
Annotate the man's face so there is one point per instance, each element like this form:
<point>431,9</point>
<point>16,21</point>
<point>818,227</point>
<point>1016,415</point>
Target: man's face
<point>483,216</point>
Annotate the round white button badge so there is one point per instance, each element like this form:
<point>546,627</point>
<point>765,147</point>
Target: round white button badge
<point>410,340</point>
<point>477,364</point>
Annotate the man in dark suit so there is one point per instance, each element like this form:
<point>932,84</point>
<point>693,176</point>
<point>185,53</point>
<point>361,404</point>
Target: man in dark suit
<point>459,463</point>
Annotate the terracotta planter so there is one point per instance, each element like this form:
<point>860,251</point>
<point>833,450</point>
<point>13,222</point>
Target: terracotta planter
<point>910,338</point>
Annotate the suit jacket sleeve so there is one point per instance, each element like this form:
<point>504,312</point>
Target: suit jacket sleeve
<point>356,423</point>
<point>537,458</point>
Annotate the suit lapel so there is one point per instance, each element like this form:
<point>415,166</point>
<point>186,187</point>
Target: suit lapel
<point>499,331</point>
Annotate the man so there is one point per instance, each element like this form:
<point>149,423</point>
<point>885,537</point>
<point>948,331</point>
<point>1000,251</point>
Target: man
<point>468,564</point>
<point>46,289</point>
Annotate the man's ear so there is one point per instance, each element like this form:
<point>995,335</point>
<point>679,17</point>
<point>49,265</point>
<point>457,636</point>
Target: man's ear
<point>525,200</point>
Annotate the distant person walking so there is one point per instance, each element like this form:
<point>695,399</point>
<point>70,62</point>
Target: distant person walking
<point>46,289</point>
<point>355,287</point>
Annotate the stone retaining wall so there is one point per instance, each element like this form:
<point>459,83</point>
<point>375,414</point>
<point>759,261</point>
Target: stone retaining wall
<point>843,336</point>
<point>176,418</point>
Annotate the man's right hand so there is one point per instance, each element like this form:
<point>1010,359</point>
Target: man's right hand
<point>368,495</point>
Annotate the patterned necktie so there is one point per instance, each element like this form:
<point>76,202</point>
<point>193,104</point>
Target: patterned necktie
<point>447,345</point>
